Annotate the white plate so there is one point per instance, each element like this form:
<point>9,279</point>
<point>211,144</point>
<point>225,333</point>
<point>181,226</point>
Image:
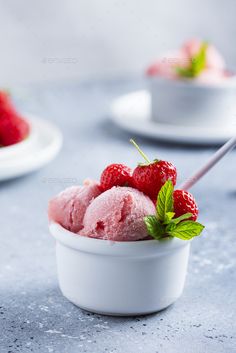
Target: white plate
<point>38,149</point>
<point>132,112</point>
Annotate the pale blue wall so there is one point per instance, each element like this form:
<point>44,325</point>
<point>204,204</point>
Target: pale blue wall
<point>105,37</point>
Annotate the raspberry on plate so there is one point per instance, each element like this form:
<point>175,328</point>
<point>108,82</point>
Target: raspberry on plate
<point>115,175</point>
<point>13,128</point>
<point>184,202</point>
<point>151,176</point>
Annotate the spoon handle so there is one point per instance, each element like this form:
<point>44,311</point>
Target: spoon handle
<point>228,146</point>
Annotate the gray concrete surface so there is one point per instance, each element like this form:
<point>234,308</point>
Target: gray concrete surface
<point>34,316</point>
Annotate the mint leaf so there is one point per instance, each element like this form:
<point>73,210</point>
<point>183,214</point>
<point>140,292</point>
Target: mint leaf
<point>185,72</point>
<point>168,217</point>
<point>163,224</point>
<point>170,227</point>
<point>199,60</point>
<point>165,200</point>
<point>182,218</point>
<point>196,65</point>
<point>186,230</point>
<point>154,227</point>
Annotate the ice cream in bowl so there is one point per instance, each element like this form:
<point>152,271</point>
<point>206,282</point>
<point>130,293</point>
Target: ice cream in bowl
<point>122,243</point>
<point>193,87</point>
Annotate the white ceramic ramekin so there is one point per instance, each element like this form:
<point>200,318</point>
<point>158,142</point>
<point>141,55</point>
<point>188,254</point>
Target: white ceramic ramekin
<point>120,278</point>
<point>177,102</point>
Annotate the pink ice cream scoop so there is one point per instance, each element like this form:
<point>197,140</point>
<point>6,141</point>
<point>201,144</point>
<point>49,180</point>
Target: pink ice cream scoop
<point>117,214</point>
<point>68,207</point>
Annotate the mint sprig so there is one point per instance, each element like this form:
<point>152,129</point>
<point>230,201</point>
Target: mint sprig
<point>182,217</point>
<point>165,204</point>
<point>197,64</point>
<point>154,227</point>
<point>187,230</point>
<point>163,224</point>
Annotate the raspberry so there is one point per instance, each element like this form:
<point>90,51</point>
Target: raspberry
<point>115,175</point>
<point>184,202</point>
<point>13,128</point>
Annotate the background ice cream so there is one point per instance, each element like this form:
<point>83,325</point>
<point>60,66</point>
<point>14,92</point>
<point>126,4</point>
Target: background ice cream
<point>214,60</point>
<point>68,207</point>
<point>214,68</point>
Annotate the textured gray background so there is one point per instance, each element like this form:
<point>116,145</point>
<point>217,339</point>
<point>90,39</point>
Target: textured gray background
<point>34,316</point>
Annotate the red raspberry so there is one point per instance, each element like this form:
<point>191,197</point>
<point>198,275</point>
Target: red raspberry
<point>4,99</point>
<point>151,177</point>
<point>6,107</point>
<point>13,128</point>
<point>184,202</point>
<point>115,175</point>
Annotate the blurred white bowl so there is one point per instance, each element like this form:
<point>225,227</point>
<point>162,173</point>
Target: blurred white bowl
<point>120,278</point>
<point>42,145</point>
<point>193,104</point>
